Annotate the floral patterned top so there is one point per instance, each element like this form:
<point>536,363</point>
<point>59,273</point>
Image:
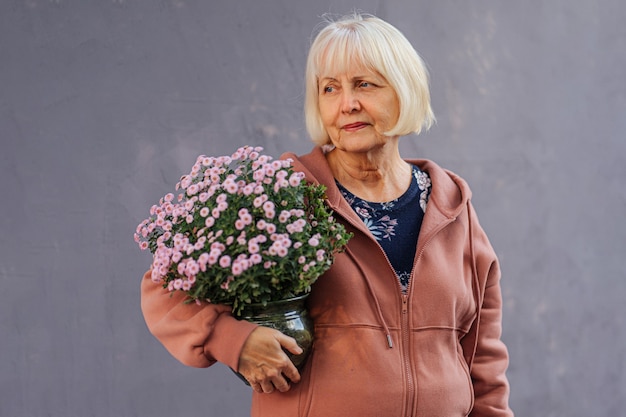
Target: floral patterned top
<point>396,224</point>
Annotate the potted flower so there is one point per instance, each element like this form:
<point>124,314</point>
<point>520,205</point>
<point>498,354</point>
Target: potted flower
<point>244,230</point>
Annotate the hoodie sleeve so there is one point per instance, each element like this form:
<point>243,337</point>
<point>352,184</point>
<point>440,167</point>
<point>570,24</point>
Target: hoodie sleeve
<point>196,335</point>
<point>490,361</point>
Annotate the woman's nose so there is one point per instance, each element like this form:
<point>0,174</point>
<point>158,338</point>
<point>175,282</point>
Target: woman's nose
<point>349,101</point>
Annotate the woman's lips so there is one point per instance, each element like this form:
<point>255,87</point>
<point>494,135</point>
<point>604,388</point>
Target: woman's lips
<point>354,126</point>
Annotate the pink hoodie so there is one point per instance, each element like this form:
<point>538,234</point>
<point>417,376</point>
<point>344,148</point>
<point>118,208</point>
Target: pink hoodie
<point>435,351</point>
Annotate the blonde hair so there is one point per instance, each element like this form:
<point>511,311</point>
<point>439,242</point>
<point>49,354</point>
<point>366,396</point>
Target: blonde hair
<point>380,47</point>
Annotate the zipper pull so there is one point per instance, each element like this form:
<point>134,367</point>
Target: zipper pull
<point>405,303</point>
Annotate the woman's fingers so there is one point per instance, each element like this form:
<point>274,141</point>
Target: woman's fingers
<point>264,363</point>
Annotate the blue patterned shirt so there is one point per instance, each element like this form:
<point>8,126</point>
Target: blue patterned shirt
<point>396,224</point>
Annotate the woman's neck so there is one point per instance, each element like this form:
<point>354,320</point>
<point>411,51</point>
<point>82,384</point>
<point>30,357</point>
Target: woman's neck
<point>374,176</point>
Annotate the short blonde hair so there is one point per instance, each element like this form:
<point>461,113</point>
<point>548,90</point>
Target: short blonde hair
<point>380,47</point>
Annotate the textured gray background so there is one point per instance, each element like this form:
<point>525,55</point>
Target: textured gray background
<point>104,104</point>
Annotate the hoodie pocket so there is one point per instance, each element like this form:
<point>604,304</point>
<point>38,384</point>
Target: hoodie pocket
<point>352,372</point>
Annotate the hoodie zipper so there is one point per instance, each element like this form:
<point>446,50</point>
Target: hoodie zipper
<point>406,355</point>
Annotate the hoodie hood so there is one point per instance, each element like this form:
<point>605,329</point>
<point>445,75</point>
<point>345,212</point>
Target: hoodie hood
<point>449,194</point>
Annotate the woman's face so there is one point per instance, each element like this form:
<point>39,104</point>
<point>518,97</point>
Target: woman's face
<point>356,108</point>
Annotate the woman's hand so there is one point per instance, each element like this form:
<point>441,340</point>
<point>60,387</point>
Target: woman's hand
<point>263,362</point>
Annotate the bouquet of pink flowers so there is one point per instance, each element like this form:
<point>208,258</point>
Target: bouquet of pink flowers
<point>243,229</point>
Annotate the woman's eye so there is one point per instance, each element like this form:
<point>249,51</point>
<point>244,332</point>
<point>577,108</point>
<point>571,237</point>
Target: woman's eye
<point>328,89</point>
<point>364,84</point>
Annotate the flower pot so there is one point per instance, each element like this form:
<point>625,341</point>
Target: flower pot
<point>288,316</point>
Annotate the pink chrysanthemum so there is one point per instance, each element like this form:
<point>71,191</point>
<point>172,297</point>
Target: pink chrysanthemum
<point>243,217</point>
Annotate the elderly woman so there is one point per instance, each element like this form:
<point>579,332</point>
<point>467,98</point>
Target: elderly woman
<point>408,319</point>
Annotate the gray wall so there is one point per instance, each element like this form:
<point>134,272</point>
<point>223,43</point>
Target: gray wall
<point>104,104</point>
